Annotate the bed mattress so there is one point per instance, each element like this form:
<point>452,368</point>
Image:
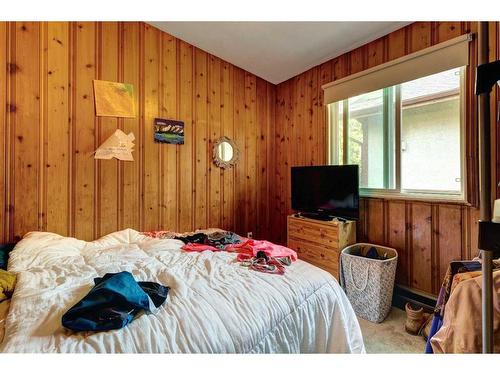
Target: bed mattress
<point>214,306</point>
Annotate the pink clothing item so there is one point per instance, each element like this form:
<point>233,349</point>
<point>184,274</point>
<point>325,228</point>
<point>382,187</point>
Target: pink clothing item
<point>247,249</point>
<point>252,247</point>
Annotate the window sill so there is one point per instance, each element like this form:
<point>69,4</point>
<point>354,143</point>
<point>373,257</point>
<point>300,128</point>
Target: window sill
<point>423,197</point>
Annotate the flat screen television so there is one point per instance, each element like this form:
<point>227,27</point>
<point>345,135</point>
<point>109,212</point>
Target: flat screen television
<point>325,192</point>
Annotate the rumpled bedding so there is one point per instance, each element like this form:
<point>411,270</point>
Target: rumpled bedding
<point>215,305</point>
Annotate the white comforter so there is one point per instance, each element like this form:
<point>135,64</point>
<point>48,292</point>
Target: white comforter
<point>214,305</point>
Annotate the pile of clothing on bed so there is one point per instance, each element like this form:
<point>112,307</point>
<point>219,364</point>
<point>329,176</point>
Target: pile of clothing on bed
<point>456,324</point>
<point>257,255</point>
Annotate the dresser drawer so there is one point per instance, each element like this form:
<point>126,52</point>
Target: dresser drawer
<point>326,258</point>
<point>313,233</point>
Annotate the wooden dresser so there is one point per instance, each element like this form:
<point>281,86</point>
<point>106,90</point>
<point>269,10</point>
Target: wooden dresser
<point>320,242</point>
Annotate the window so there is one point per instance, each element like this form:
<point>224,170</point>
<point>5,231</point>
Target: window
<point>407,139</point>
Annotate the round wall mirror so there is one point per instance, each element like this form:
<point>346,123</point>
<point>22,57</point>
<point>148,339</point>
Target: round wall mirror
<point>225,153</point>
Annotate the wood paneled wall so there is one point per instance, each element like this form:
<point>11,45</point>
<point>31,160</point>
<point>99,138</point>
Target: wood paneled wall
<point>49,179</point>
<point>427,235</point>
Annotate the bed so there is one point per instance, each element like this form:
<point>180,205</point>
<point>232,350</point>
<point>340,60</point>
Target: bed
<point>214,306</point>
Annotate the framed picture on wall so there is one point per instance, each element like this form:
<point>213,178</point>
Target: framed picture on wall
<point>169,131</point>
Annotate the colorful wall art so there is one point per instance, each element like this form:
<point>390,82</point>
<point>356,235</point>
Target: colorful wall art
<point>169,131</point>
<point>114,99</point>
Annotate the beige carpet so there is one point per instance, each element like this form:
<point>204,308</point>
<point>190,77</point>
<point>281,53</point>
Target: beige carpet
<point>390,335</point>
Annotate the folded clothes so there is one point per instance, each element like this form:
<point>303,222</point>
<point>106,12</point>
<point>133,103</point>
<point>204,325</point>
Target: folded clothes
<point>114,301</point>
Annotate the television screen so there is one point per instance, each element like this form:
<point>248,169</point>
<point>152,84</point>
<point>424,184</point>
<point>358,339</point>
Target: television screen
<point>331,190</point>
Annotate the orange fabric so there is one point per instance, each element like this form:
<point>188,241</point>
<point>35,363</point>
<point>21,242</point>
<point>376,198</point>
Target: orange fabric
<point>461,330</point>
<point>459,277</point>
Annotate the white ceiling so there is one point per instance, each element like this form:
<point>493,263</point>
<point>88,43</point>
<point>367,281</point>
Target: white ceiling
<point>277,51</point>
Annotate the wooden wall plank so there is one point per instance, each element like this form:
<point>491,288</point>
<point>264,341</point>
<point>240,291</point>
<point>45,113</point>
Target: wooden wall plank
<point>341,67</point>
<point>151,166</point>
<point>215,132</point>
<point>449,237</point>
<point>200,127</point>
<point>228,175</point>
<point>448,30</point>
<point>239,138</point>
<point>130,172</point>
<point>58,129</point>
<point>289,151</point>
<point>83,142</point>
<point>185,180</point>
<point>376,53</point>
<point>298,124</point>
<point>266,230</point>
<point>376,221</point>
<point>308,119</point>
<point>278,142</point>
<point>421,249</point>
<point>107,170</point>
<point>26,127</point>
<point>396,42</point>
<point>357,59</point>
<point>286,151</point>
<point>473,233</point>
<point>397,238</point>
<point>170,152</point>
<point>4,130</point>
<point>262,157</point>
<point>325,75</point>
<point>250,153</point>
<point>420,36</point>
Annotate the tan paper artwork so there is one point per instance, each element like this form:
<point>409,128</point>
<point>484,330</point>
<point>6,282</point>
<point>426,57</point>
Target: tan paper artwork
<point>119,146</point>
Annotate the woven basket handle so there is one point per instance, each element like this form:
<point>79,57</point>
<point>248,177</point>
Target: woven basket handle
<point>359,289</point>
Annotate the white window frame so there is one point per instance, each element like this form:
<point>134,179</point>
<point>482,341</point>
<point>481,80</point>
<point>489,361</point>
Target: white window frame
<point>398,192</point>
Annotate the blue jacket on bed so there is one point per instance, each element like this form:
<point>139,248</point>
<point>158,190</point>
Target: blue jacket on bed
<point>114,302</point>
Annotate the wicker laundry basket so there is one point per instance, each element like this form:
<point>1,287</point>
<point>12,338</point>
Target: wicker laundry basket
<point>369,283</point>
